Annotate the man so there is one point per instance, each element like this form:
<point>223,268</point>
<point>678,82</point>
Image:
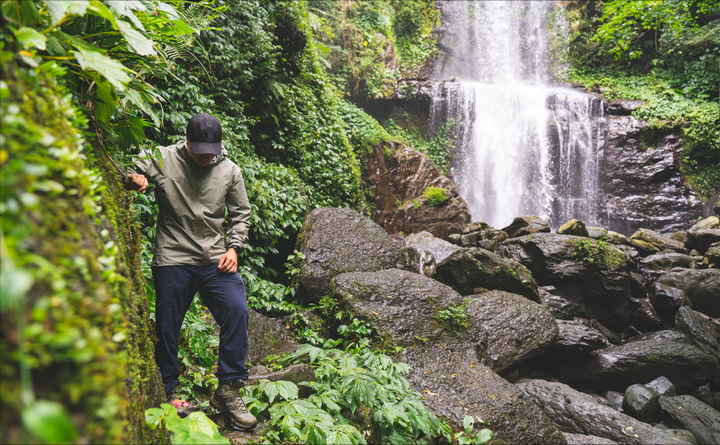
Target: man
<point>195,183</point>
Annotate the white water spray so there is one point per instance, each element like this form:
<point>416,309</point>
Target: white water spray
<point>524,146</point>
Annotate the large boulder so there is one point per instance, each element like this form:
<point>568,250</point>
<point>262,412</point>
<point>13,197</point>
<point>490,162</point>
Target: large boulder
<point>469,269</point>
<point>597,283</point>
<point>404,307</point>
<point>649,240</point>
<point>335,241</point>
<point>398,177</point>
<point>581,413</point>
<point>455,385</point>
<point>697,288</point>
<point>518,329</point>
<point>693,415</point>
<point>664,353</point>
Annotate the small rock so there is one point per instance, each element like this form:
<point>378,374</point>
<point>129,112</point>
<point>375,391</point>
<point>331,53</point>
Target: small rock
<point>573,227</point>
<point>641,402</point>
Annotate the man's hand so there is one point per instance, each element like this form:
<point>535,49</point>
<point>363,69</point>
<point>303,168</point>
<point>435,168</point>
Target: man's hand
<point>228,262</point>
<point>137,182</point>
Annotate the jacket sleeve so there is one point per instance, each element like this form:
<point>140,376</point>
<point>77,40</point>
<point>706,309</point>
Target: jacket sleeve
<point>144,163</point>
<point>238,208</point>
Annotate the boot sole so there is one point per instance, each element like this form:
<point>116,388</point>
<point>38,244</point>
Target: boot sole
<point>221,407</point>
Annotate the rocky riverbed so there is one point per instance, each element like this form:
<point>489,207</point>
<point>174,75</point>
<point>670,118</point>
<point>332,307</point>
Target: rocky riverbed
<point>581,335</point>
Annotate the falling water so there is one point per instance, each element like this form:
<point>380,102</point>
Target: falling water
<point>524,146</point>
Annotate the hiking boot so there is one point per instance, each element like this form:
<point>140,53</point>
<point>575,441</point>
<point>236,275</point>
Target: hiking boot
<point>173,394</point>
<point>227,399</point>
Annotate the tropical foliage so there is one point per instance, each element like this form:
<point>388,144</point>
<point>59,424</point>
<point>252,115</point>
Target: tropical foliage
<point>87,84</point>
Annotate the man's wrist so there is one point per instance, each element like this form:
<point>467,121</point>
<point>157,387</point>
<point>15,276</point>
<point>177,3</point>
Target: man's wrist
<point>237,249</point>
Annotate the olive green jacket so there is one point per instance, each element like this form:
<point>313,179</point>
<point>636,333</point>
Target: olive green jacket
<point>192,203</point>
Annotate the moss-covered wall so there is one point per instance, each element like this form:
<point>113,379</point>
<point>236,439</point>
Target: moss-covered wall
<point>76,340</point>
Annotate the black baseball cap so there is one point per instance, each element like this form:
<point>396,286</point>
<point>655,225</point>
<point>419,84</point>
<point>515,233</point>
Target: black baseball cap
<point>205,134</point>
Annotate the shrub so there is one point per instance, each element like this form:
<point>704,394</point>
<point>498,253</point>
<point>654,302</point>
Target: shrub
<point>597,253</point>
<point>435,196</point>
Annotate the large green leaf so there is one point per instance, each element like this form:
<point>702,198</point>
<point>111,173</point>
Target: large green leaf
<point>125,9</point>
<point>30,38</point>
<point>141,44</point>
<point>58,8</point>
<point>105,107</point>
<point>109,68</point>
<point>199,423</point>
<point>49,422</point>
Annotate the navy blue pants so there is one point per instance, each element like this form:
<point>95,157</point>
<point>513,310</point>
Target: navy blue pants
<point>223,294</point>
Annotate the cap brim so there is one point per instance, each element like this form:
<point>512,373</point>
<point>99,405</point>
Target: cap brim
<point>206,148</point>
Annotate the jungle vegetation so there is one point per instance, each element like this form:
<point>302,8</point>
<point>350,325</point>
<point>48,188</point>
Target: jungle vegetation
<point>86,84</point>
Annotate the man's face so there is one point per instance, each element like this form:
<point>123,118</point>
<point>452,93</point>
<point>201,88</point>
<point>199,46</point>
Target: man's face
<point>200,160</point>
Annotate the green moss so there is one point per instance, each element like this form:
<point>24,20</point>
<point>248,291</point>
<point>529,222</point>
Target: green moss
<point>87,341</point>
<point>435,196</point>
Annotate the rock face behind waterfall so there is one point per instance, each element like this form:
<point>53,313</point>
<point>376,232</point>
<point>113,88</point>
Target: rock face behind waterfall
<point>642,182</point>
<point>589,361</point>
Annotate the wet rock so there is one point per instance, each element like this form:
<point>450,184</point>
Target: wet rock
<point>698,328</point>
<point>561,308</point>
<point>580,413</point>
<point>599,291</point>
<point>695,416</point>
<point>657,241</point>
<point>336,241</point>
<point>577,336</point>
<point>655,265</point>
<point>422,252</point>
<point>642,184</point>
<point>681,236</point>
<point>665,353</point>
<point>573,227</point>
<point>586,439</point>
<point>624,107</point>
<point>595,232</point>
<point>641,402</point>
<point>268,337</point>
<point>682,436</point>
<point>398,176</point>
<point>702,239</point>
<point>616,399</point>
<point>525,225</point>
<point>705,394</point>
<point>644,317</point>
<point>469,269</point>
<point>518,329</point>
<point>712,256</point>
<point>455,384</point>
<point>663,386</point>
<point>697,288</point>
<point>711,222</point>
<point>403,307</point>
<point>297,373</point>
<point>485,236</point>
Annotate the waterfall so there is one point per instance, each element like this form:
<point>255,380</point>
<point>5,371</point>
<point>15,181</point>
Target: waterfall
<point>524,146</point>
